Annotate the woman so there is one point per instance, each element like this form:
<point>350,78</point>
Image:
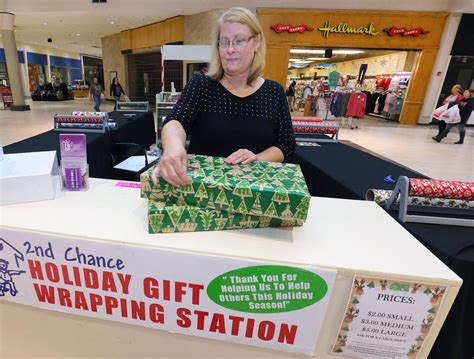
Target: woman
<point>451,100</point>
<point>116,90</point>
<point>466,106</point>
<point>291,95</point>
<point>232,111</point>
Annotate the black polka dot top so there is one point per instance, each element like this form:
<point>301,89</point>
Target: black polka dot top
<point>221,123</point>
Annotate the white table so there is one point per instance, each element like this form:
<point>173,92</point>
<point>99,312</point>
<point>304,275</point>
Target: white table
<point>366,242</point>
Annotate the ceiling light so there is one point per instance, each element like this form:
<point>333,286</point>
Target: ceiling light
<point>45,23</point>
<point>78,34</point>
<point>316,58</point>
<point>347,52</point>
<point>299,61</point>
<point>316,51</point>
<point>111,23</point>
<point>306,51</point>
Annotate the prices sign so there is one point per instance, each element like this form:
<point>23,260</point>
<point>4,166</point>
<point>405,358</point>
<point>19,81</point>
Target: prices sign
<point>248,302</point>
<point>388,318</point>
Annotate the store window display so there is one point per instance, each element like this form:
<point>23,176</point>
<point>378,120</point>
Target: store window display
<point>232,112</point>
<point>59,75</point>
<point>383,76</point>
<point>36,76</point>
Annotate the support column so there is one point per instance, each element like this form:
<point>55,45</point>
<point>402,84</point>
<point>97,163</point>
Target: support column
<point>13,65</point>
<point>440,67</point>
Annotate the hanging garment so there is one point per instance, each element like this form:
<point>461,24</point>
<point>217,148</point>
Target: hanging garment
<point>387,104</point>
<point>395,107</point>
<point>381,103</point>
<point>345,101</point>
<point>356,105</point>
<point>334,77</point>
<point>336,104</point>
<point>369,100</point>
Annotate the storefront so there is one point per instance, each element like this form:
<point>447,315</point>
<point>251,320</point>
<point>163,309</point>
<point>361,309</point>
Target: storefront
<point>65,70</point>
<point>37,64</point>
<point>378,46</point>
<point>93,67</point>
<point>4,82</point>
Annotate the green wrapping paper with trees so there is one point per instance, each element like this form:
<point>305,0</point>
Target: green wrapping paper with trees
<point>163,218</point>
<point>257,190</point>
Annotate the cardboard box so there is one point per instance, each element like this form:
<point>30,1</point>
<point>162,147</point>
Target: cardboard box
<point>28,177</point>
<point>269,189</point>
<point>163,218</point>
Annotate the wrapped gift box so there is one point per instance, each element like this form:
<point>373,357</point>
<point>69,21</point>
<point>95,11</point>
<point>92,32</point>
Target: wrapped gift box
<point>163,218</point>
<point>276,190</point>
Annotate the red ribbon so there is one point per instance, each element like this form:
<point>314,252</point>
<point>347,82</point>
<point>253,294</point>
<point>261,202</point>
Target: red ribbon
<point>393,31</point>
<point>300,28</point>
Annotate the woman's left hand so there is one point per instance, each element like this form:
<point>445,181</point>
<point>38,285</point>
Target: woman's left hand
<point>243,156</point>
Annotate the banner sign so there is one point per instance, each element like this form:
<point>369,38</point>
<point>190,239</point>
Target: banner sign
<point>388,318</point>
<point>394,31</point>
<point>291,29</point>
<point>242,301</point>
<point>343,28</point>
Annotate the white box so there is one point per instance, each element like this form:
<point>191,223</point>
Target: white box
<point>28,177</point>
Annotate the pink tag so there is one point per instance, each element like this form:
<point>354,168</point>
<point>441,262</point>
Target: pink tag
<point>128,184</point>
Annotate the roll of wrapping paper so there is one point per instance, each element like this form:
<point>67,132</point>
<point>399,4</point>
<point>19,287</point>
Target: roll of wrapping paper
<point>89,114</point>
<point>306,119</point>
<point>381,196</point>
<point>325,127</point>
<point>441,189</point>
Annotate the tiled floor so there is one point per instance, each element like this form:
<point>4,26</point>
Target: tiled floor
<point>411,146</point>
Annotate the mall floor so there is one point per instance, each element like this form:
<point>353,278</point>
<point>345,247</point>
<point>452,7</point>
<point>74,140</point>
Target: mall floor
<point>410,146</point>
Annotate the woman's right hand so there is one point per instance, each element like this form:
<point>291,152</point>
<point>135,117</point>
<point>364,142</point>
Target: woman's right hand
<point>172,168</point>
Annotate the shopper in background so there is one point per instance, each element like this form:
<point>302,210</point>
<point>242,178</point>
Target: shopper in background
<point>290,93</point>
<point>451,100</point>
<point>95,92</point>
<point>232,111</point>
<point>116,91</point>
<point>466,106</point>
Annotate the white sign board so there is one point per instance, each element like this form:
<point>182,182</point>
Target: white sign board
<point>241,301</point>
<point>388,318</point>
<point>186,52</point>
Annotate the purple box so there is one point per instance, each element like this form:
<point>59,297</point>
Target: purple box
<point>73,148</point>
<point>72,178</point>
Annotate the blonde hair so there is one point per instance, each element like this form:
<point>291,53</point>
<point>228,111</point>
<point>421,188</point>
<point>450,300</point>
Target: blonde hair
<point>246,17</point>
<point>458,88</point>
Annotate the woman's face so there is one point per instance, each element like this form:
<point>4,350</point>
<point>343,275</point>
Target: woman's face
<point>467,94</point>
<point>454,90</point>
<point>237,57</point>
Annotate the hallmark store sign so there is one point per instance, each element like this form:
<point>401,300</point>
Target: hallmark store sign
<point>344,28</point>
<point>242,301</point>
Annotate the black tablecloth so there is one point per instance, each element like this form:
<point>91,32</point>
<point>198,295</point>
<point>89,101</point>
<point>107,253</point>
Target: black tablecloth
<point>137,129</point>
<point>341,171</point>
